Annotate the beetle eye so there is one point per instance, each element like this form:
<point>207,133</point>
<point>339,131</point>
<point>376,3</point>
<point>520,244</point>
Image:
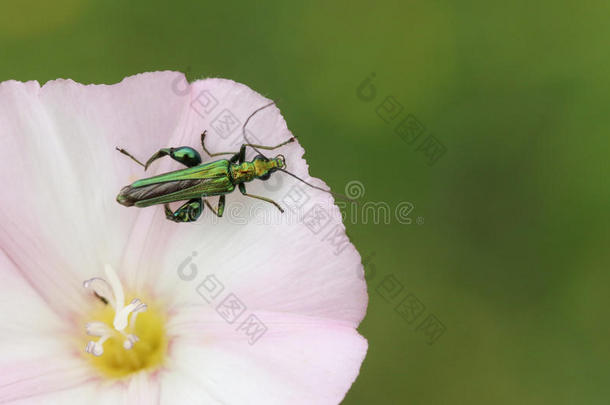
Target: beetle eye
<point>265,176</point>
<point>261,157</point>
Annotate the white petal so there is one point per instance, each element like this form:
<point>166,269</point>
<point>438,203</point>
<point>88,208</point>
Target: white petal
<point>36,356</point>
<point>298,361</point>
<point>30,328</point>
<point>72,225</point>
<point>87,393</point>
<point>60,222</point>
<point>179,387</point>
<point>281,264</point>
<point>41,375</point>
<point>284,265</point>
<point>144,389</point>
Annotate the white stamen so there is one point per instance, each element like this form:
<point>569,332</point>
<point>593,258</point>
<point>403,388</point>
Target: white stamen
<point>96,348</point>
<point>120,318</point>
<point>98,329</point>
<point>101,288</point>
<point>112,291</point>
<point>134,314</point>
<point>117,288</point>
<point>128,343</point>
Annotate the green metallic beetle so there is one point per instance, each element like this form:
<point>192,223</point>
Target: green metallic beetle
<point>200,180</point>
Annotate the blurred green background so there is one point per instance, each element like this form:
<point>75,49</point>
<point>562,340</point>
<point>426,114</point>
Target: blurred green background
<point>508,245</point>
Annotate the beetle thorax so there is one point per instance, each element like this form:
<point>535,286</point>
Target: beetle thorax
<point>260,168</point>
<point>243,172</point>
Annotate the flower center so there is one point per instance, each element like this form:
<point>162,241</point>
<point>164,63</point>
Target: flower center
<point>131,337</point>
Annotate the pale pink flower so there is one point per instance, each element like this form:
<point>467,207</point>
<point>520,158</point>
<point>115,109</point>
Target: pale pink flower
<point>60,226</point>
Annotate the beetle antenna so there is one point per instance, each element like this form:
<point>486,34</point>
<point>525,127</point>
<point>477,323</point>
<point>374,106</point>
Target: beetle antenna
<point>243,128</point>
<point>343,196</point>
<point>283,170</point>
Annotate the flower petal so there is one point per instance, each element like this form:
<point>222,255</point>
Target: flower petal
<point>60,222</point>
<point>103,394</point>
<point>179,387</point>
<point>299,360</point>
<point>41,375</point>
<point>297,271</point>
<point>144,389</point>
<point>24,315</point>
<point>278,261</point>
<point>278,265</point>
<point>36,357</point>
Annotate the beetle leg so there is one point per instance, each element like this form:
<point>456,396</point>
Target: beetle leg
<point>188,212</point>
<point>270,147</point>
<point>242,188</point>
<point>203,135</point>
<point>184,154</point>
<point>124,152</point>
<point>208,152</point>
<point>221,206</point>
<point>239,156</point>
